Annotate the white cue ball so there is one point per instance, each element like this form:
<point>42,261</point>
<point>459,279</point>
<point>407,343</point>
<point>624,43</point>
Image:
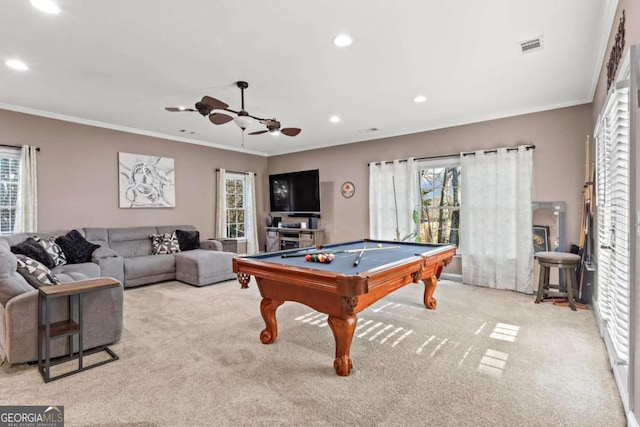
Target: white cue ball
<point>379,245</point>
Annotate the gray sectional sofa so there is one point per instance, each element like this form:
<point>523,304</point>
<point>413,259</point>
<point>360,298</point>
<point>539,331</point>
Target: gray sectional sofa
<point>124,254</point>
<point>135,265</point>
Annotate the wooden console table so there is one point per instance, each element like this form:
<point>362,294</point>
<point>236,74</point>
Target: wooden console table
<point>67,328</point>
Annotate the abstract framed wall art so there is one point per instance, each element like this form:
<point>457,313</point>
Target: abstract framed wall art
<point>541,238</point>
<point>146,181</point>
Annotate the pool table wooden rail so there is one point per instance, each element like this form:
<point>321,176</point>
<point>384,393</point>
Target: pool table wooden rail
<point>339,295</point>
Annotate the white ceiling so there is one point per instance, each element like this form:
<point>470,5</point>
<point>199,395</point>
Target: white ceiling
<point>118,63</point>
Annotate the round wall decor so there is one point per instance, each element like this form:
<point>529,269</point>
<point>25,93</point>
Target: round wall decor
<point>348,189</point>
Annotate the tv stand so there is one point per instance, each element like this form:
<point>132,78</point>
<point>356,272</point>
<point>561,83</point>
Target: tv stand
<point>290,238</point>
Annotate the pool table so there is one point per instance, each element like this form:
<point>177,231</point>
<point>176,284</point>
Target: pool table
<point>340,288</point>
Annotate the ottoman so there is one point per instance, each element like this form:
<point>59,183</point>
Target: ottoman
<point>200,267</point>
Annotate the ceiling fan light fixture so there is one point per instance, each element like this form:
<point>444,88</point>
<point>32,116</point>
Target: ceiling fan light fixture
<point>243,122</point>
<point>47,6</point>
<point>342,40</point>
<point>274,132</point>
<point>334,119</point>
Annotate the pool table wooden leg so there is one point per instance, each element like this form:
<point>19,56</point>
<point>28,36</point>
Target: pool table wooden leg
<point>268,309</point>
<point>343,328</point>
<point>430,284</point>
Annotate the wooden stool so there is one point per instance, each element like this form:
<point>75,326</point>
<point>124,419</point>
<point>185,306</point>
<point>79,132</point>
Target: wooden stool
<point>561,260</point>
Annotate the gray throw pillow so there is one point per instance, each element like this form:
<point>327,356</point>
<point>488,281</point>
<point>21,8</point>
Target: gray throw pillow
<point>34,272</point>
<point>165,243</point>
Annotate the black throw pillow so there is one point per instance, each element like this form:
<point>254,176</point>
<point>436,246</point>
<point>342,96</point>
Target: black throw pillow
<point>188,240</point>
<point>75,247</point>
<point>34,250</point>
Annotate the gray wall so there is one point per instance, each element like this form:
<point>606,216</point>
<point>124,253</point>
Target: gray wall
<point>558,160</point>
<point>78,174</point>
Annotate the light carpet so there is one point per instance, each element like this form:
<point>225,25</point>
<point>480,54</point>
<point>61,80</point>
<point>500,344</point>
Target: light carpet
<point>192,357</point>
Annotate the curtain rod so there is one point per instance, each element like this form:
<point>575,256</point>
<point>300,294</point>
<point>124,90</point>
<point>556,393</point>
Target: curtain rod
<point>470,153</point>
<point>473,153</point>
<point>254,173</point>
<point>16,146</point>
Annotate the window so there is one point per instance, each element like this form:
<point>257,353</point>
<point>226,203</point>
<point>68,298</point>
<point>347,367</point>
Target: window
<point>440,192</point>
<point>235,199</point>
<point>9,182</point>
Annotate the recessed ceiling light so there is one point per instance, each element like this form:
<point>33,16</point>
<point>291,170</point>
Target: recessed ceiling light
<point>16,64</point>
<point>334,119</point>
<point>342,40</point>
<point>47,6</point>
<point>420,98</point>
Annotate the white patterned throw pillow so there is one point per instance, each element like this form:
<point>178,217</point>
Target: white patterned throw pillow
<point>34,272</point>
<point>53,249</point>
<point>165,243</point>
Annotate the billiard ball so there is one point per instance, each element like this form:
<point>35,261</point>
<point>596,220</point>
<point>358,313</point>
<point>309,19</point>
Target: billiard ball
<point>379,245</point>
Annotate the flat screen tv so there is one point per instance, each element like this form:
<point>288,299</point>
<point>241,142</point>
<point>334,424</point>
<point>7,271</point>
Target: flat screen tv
<point>295,192</point>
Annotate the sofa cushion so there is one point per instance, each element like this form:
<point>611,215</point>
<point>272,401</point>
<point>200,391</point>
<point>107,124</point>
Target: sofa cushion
<point>75,247</point>
<point>165,243</point>
<point>131,241</point>
<point>201,267</point>
<point>87,269</point>
<point>33,250</point>
<point>34,272</point>
<point>53,249</point>
<point>12,283</point>
<point>188,240</point>
<point>70,277</point>
<point>148,265</point>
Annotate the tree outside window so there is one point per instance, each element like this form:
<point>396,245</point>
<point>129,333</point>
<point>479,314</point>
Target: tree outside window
<point>235,206</point>
<point>439,214</point>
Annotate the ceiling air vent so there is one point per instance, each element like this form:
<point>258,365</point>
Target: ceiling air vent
<point>531,45</point>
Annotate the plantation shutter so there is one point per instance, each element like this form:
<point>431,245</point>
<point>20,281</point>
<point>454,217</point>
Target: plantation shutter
<point>9,187</point>
<point>613,191</point>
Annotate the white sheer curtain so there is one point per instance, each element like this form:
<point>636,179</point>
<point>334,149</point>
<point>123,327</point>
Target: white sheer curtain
<point>496,219</point>
<point>251,226</point>
<point>389,209</point>
<point>27,202</point>
<point>221,205</point>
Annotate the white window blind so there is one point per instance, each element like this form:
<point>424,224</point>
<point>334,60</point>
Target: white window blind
<point>613,190</point>
<point>9,187</point>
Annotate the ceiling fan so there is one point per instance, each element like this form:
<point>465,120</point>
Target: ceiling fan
<point>208,105</point>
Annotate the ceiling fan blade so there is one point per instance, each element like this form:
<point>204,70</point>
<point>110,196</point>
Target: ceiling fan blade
<point>258,132</point>
<point>214,104</point>
<point>219,118</point>
<point>178,110</point>
<point>290,131</point>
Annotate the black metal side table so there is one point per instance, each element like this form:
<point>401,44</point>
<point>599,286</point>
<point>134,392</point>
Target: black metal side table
<point>67,328</point>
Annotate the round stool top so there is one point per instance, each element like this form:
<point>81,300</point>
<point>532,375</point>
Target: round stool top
<point>558,257</point>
